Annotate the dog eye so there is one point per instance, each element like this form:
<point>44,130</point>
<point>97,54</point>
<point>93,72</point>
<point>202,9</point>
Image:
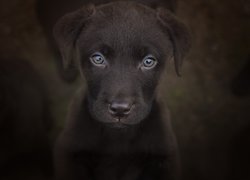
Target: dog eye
<point>97,59</point>
<point>149,62</point>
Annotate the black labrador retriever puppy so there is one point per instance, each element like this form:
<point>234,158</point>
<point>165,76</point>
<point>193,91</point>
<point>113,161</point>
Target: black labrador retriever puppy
<point>49,11</point>
<point>116,129</point>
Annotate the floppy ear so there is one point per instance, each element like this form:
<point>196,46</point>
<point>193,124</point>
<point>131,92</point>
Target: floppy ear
<point>179,35</point>
<point>66,31</point>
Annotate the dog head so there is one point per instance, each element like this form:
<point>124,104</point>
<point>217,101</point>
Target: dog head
<point>121,49</point>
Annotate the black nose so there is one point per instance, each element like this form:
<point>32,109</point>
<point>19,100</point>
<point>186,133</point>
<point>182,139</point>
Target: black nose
<point>120,109</point>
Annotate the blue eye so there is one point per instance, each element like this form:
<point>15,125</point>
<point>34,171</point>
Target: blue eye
<point>149,62</point>
<point>97,59</point>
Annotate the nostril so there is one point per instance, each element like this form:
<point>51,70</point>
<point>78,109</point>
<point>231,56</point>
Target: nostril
<point>119,108</point>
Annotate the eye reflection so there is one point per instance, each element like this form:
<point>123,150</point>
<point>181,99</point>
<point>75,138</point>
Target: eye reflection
<point>98,59</point>
<point>149,62</point>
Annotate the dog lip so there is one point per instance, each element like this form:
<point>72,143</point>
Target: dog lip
<point>118,124</point>
<point>117,119</point>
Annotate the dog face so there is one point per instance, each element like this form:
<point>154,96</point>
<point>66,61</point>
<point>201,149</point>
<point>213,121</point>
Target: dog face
<point>122,52</point>
<point>121,49</point>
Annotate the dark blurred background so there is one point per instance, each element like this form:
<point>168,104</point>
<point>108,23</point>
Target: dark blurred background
<point>209,104</point>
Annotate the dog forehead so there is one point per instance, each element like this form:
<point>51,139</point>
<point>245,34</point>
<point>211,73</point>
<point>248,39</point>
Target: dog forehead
<point>124,24</point>
<point>123,8</point>
<point>125,16</point>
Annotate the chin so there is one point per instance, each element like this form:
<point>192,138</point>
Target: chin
<point>117,125</point>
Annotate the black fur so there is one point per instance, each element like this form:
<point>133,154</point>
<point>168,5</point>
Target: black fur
<point>116,129</point>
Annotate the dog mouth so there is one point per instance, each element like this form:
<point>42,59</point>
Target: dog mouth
<point>117,123</point>
<point>119,118</point>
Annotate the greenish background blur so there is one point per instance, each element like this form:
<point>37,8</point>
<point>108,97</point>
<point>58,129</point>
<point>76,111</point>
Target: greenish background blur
<point>211,122</point>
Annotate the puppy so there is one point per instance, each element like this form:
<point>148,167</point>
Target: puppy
<point>116,129</point>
